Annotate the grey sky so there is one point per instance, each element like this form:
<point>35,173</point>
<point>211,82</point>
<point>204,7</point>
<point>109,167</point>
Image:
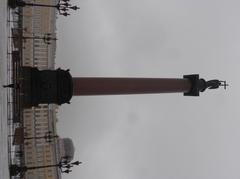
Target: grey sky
<point>165,136</point>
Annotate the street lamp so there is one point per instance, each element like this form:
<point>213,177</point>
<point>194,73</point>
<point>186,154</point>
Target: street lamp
<point>63,166</point>
<point>48,137</point>
<point>63,6</point>
<point>46,38</point>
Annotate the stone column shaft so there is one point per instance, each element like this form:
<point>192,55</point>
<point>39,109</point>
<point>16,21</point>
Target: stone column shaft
<point>110,86</point>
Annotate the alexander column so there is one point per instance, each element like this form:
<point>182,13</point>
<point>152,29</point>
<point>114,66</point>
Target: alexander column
<point>190,85</point>
<point>58,86</point>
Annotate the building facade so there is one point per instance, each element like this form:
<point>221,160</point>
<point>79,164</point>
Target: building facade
<point>39,122</point>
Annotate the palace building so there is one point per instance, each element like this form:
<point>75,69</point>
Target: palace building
<point>40,120</point>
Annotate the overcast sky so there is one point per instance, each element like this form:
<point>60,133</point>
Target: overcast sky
<point>164,136</point>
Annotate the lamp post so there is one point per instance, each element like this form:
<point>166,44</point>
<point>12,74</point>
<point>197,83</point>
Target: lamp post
<point>63,6</point>
<point>46,38</point>
<point>48,137</point>
<point>63,166</point>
